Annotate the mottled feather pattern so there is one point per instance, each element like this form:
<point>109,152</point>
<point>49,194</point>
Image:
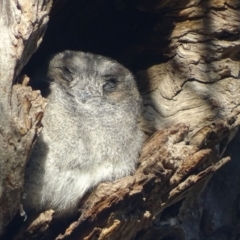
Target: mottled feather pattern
<point>90,131</point>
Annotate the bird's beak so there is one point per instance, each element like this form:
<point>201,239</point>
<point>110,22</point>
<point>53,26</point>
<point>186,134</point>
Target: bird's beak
<point>85,95</point>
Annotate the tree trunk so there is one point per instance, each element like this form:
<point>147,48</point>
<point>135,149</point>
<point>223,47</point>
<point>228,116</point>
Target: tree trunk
<point>185,55</point>
<point>22,26</point>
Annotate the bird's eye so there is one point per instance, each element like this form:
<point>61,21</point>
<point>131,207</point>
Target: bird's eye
<point>110,85</point>
<point>67,74</point>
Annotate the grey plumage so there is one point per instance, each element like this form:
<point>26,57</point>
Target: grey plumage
<point>90,131</point>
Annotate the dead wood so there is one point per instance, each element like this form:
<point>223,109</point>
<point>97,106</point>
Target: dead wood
<point>21,109</point>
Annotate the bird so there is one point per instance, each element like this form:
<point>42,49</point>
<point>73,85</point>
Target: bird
<point>91,130</point>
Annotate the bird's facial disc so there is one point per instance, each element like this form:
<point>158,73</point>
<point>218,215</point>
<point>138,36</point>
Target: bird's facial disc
<point>92,78</point>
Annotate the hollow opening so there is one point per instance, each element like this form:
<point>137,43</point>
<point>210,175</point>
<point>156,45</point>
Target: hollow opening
<point>110,28</point>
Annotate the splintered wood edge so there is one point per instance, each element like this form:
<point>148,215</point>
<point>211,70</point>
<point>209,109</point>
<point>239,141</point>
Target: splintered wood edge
<point>27,109</point>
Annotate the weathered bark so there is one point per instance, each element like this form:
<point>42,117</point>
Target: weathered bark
<point>22,25</point>
<point>190,91</point>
